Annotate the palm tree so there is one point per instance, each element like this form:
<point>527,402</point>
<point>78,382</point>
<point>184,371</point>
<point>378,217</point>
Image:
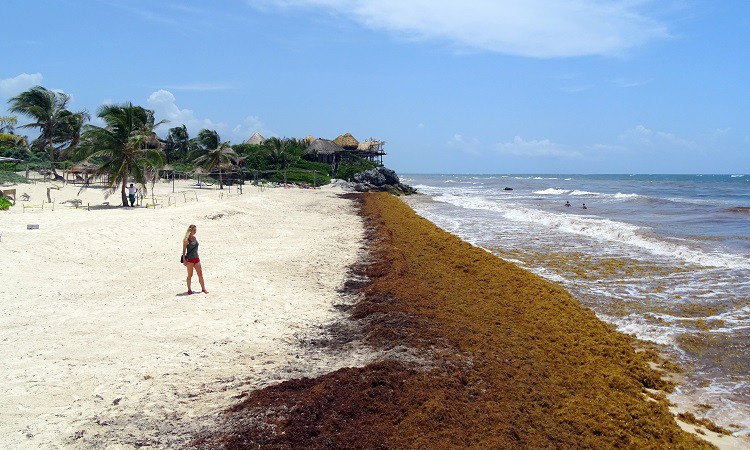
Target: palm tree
<point>280,152</point>
<point>211,153</point>
<point>59,128</point>
<point>178,143</point>
<point>8,124</point>
<point>127,146</point>
<point>7,132</point>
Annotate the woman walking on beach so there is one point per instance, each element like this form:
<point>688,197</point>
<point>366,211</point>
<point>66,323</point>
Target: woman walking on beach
<point>191,259</point>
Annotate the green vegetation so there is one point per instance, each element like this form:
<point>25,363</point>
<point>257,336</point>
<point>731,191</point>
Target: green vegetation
<point>347,170</point>
<point>59,128</point>
<point>4,204</point>
<point>283,155</point>
<point>212,154</point>
<point>11,178</point>
<point>128,147</point>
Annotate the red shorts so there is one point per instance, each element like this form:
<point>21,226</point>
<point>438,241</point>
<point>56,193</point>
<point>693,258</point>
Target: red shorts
<point>193,260</point>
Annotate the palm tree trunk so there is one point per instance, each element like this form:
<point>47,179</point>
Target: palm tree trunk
<point>124,196</point>
<point>51,155</point>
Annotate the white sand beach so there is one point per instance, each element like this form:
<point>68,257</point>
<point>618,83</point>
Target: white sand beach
<point>101,346</point>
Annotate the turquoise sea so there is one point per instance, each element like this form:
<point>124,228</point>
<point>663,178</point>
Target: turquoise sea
<point>663,257</point>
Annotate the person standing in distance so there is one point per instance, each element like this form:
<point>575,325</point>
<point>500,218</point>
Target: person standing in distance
<point>131,195</point>
<point>191,259</point>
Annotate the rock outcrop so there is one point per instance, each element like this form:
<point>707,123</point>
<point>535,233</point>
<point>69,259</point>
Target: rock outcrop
<point>381,179</point>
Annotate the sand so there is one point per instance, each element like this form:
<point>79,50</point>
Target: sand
<point>100,345</point>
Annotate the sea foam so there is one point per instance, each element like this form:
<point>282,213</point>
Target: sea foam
<point>621,233</point>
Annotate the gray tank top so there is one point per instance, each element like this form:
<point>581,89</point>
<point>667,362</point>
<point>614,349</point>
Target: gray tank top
<point>191,251</point>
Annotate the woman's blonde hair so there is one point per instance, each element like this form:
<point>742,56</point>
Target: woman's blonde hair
<point>187,233</point>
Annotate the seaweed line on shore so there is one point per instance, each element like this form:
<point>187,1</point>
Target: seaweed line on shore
<point>476,353</point>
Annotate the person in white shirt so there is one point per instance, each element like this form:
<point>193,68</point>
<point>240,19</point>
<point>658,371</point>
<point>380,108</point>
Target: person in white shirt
<point>131,195</point>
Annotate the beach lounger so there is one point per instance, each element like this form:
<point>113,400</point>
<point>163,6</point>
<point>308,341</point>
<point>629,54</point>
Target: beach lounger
<point>10,194</point>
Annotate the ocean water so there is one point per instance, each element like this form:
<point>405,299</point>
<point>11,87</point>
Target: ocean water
<point>663,257</point>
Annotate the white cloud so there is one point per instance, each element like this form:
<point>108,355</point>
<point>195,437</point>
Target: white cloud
<point>157,17</point>
<point>601,148</point>
<point>576,89</point>
<point>250,126</point>
<point>626,84</point>
<point>471,146</point>
<point>645,136</point>
<point>164,104</point>
<point>10,87</point>
<point>532,28</point>
<point>545,147</point>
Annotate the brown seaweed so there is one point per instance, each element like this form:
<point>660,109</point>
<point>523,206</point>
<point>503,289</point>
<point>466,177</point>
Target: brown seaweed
<point>509,360</point>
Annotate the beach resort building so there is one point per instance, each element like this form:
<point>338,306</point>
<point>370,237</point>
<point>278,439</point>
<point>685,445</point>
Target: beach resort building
<point>344,148</point>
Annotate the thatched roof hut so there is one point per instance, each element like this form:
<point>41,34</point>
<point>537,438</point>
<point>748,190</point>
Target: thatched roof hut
<point>347,141</point>
<point>309,139</point>
<point>83,167</point>
<point>255,139</point>
<point>323,147</point>
<point>364,146</point>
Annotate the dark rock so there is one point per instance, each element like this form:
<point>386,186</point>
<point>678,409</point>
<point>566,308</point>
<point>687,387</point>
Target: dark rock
<point>381,179</point>
<point>371,176</point>
<point>362,187</point>
<point>390,175</point>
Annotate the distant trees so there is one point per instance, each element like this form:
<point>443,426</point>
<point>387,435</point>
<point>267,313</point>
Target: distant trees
<point>59,128</point>
<point>177,144</point>
<point>127,146</point>
<point>8,136</point>
<point>284,159</point>
<point>282,153</point>
<point>210,153</point>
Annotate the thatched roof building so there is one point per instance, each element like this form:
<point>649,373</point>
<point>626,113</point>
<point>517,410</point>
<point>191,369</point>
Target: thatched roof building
<point>347,141</point>
<point>83,167</point>
<point>323,147</point>
<point>255,139</point>
<point>309,139</point>
<point>371,146</point>
<point>80,172</point>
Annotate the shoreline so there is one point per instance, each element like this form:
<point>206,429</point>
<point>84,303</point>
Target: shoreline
<point>479,354</point>
<point>405,344</point>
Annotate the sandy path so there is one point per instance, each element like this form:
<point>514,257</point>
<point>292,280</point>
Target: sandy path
<point>100,346</point>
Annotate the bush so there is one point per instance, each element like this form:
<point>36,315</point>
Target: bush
<point>11,178</point>
<point>310,178</point>
<point>16,152</point>
<point>5,204</point>
<point>323,168</point>
<point>347,170</point>
<point>181,167</point>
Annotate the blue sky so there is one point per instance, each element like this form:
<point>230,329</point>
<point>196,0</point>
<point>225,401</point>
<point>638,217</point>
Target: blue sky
<point>476,86</point>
